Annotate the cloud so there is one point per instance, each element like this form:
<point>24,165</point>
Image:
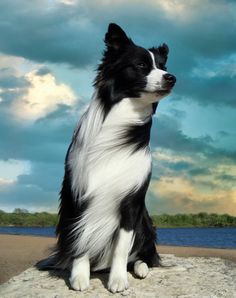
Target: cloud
<point>189,174</point>
<point>43,140</point>
<point>50,46</point>
<point>44,31</point>
<point>30,91</point>
<point>42,97</point>
<point>10,169</point>
<point>208,91</point>
<point>29,197</point>
<point>61,33</point>
<point>182,196</point>
<point>40,173</point>
<point>5,182</point>
<point>167,134</point>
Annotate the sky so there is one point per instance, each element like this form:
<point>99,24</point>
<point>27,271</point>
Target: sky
<point>49,52</point>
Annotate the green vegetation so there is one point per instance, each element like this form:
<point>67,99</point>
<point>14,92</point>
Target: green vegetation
<point>22,217</point>
<point>194,220</point>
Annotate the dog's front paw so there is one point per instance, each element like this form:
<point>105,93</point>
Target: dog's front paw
<point>118,283</point>
<point>141,269</point>
<point>79,282</point>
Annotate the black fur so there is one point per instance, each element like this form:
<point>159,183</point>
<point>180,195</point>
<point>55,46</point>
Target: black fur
<point>121,74</point>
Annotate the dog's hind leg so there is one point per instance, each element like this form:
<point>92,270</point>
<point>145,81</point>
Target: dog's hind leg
<point>80,273</point>
<point>148,253</point>
<point>118,279</point>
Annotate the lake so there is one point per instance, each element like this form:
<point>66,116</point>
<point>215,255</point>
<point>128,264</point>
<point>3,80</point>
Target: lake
<point>198,237</point>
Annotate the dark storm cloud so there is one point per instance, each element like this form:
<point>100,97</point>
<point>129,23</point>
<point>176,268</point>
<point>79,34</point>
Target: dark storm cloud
<point>167,134</point>
<point>217,91</point>
<point>40,33</point>
<point>50,31</point>
<point>43,71</point>
<point>53,32</point>
<point>227,178</point>
<point>199,171</point>
<point>40,141</point>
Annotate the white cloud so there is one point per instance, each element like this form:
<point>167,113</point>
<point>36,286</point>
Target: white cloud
<point>69,2</point>
<point>6,61</point>
<point>4,182</point>
<point>188,11</point>
<point>181,194</point>
<point>42,97</point>
<point>10,169</point>
<point>169,156</point>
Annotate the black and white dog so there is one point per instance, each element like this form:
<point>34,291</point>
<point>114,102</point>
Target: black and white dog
<point>103,221</point>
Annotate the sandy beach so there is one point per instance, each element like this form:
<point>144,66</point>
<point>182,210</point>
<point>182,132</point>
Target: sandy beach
<point>17,253</point>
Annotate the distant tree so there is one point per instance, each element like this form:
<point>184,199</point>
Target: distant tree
<point>20,210</point>
<point>21,217</point>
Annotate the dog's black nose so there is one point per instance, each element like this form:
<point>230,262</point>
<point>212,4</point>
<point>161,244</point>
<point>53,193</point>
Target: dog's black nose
<point>170,79</point>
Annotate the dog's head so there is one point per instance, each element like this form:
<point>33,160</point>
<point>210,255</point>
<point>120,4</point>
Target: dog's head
<point>128,70</point>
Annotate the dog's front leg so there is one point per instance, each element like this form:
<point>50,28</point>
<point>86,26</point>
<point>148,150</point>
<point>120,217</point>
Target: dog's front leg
<point>80,273</point>
<point>118,279</point>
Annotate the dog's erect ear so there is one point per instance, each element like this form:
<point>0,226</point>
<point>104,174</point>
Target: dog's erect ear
<point>162,54</point>
<point>115,37</point>
<point>163,50</point>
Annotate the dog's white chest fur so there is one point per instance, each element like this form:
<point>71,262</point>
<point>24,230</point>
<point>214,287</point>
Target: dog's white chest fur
<point>104,171</point>
<point>114,168</point>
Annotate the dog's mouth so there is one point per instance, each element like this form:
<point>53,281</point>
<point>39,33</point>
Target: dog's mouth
<point>166,88</point>
<point>163,91</point>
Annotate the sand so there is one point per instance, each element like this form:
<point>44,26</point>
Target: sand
<point>17,253</point>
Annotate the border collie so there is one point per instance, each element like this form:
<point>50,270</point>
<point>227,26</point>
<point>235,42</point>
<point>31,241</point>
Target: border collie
<point>103,220</point>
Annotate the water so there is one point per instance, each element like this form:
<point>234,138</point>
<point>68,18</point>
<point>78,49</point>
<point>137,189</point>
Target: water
<point>198,237</point>
<point>32,231</point>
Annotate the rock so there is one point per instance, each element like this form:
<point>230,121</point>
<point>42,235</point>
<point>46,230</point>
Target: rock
<point>180,277</point>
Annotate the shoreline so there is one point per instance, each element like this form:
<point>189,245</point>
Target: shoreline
<point>19,252</point>
<point>158,245</point>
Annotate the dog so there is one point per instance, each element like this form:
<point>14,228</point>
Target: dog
<point>103,220</point>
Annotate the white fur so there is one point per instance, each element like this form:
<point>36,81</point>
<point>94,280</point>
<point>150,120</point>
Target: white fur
<point>106,172</point>
<point>118,279</point>
<point>155,77</point>
<point>88,127</point>
<point>80,273</point>
<point>141,269</point>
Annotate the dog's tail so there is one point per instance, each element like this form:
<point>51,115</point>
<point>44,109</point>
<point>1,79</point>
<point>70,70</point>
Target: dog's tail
<point>50,263</point>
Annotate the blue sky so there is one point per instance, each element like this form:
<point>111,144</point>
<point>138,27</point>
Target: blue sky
<point>49,51</point>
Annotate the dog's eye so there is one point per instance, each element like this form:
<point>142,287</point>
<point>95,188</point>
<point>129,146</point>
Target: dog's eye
<point>142,65</point>
<point>162,66</point>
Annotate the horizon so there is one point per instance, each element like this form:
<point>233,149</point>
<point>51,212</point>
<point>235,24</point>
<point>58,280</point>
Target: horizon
<point>49,51</point>
<point>25,211</point>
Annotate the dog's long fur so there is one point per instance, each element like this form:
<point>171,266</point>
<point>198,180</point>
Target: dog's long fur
<point>103,221</point>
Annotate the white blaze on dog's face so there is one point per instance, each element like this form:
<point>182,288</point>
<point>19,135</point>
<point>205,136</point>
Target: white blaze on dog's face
<point>155,79</point>
<point>131,71</point>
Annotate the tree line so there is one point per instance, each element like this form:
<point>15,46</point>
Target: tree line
<point>22,217</point>
<point>201,219</point>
